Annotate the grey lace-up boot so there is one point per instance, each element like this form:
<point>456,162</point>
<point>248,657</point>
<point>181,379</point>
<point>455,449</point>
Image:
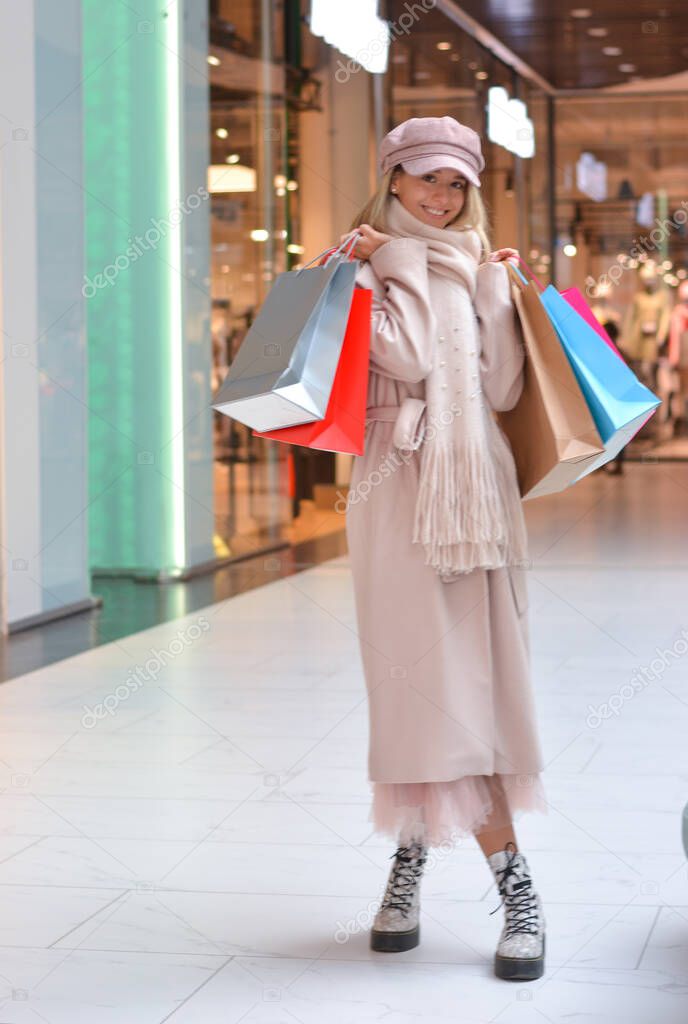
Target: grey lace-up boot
<point>396,926</point>
<point>520,952</point>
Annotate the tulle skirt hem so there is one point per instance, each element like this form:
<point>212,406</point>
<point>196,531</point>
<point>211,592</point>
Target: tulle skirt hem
<point>441,813</point>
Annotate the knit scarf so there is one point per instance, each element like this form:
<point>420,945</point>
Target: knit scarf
<point>468,512</point>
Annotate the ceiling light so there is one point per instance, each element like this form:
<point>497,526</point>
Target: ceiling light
<point>580,12</point>
<point>233,158</point>
<point>292,185</point>
<point>481,75</point>
<point>444,46</point>
<point>570,249</point>
<point>299,249</point>
<point>221,133</point>
<point>212,59</point>
<point>598,32</point>
<point>259,235</point>
<point>612,51</point>
<point>231,179</point>
<point>627,68</point>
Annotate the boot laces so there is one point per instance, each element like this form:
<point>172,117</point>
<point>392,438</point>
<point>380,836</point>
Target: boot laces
<point>518,898</point>
<point>409,862</point>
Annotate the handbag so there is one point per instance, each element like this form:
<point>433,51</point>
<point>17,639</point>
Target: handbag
<point>284,370</point>
<point>619,403</point>
<point>550,429</point>
<point>342,428</point>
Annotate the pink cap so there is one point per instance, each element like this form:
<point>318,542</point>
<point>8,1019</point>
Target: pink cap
<point>424,144</point>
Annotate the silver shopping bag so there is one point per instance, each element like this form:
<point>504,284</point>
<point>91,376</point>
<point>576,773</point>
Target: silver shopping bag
<point>282,374</point>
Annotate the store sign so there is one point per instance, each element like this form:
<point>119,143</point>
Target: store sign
<point>355,29</point>
<point>591,177</point>
<point>508,123</point>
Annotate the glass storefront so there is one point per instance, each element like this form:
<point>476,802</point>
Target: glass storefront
<point>264,130</point>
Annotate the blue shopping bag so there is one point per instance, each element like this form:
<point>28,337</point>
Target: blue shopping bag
<point>619,403</point>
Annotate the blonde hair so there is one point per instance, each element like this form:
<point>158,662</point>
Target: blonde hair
<point>473,213</point>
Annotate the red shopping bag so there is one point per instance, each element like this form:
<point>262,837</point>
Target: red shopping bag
<point>343,428</point>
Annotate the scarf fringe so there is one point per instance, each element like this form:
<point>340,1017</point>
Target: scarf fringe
<point>465,515</point>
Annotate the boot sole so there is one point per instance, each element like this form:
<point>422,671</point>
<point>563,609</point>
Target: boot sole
<point>519,969</point>
<point>394,942</point>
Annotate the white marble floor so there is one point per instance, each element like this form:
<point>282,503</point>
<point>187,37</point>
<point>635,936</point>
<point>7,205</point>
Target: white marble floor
<point>192,845</point>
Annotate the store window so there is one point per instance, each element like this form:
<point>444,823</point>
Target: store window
<point>253,200</point>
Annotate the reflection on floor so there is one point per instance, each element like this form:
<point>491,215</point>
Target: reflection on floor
<point>184,811</point>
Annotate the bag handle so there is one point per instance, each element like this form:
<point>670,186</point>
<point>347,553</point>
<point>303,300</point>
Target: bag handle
<point>334,252</point>
<point>528,272</point>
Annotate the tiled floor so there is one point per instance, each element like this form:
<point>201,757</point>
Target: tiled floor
<point>192,845</point>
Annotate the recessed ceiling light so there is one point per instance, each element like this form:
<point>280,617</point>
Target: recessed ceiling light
<point>580,12</point>
<point>481,75</point>
<point>212,59</point>
<point>627,68</point>
<point>611,51</point>
<point>233,158</point>
<point>444,46</point>
<point>221,133</point>
<point>598,32</point>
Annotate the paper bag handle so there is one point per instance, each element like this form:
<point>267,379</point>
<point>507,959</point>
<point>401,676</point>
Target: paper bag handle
<point>528,272</point>
<point>334,252</point>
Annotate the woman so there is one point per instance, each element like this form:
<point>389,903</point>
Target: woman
<point>437,537</point>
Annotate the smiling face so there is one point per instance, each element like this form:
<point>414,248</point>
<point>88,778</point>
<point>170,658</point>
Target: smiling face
<point>436,197</point>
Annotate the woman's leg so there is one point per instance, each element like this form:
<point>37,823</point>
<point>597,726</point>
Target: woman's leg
<point>498,830</point>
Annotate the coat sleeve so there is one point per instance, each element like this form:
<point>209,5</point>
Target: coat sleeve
<point>502,354</point>
<point>403,324</point>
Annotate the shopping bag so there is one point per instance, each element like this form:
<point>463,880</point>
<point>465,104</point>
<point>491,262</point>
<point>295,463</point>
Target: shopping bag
<point>550,429</point>
<point>575,298</point>
<point>343,427</point>
<point>283,372</point>
<point>619,403</point>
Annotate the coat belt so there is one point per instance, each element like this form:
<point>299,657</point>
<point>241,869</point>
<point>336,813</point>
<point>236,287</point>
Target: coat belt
<point>408,419</point>
<point>388,413</point>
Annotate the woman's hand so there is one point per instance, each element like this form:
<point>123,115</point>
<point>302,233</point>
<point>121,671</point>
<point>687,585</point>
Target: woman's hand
<point>368,241</point>
<point>502,254</point>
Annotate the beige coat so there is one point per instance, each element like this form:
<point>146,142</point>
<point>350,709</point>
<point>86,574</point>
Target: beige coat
<point>446,664</point>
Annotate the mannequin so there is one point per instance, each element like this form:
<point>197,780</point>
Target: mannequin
<point>646,326</point>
